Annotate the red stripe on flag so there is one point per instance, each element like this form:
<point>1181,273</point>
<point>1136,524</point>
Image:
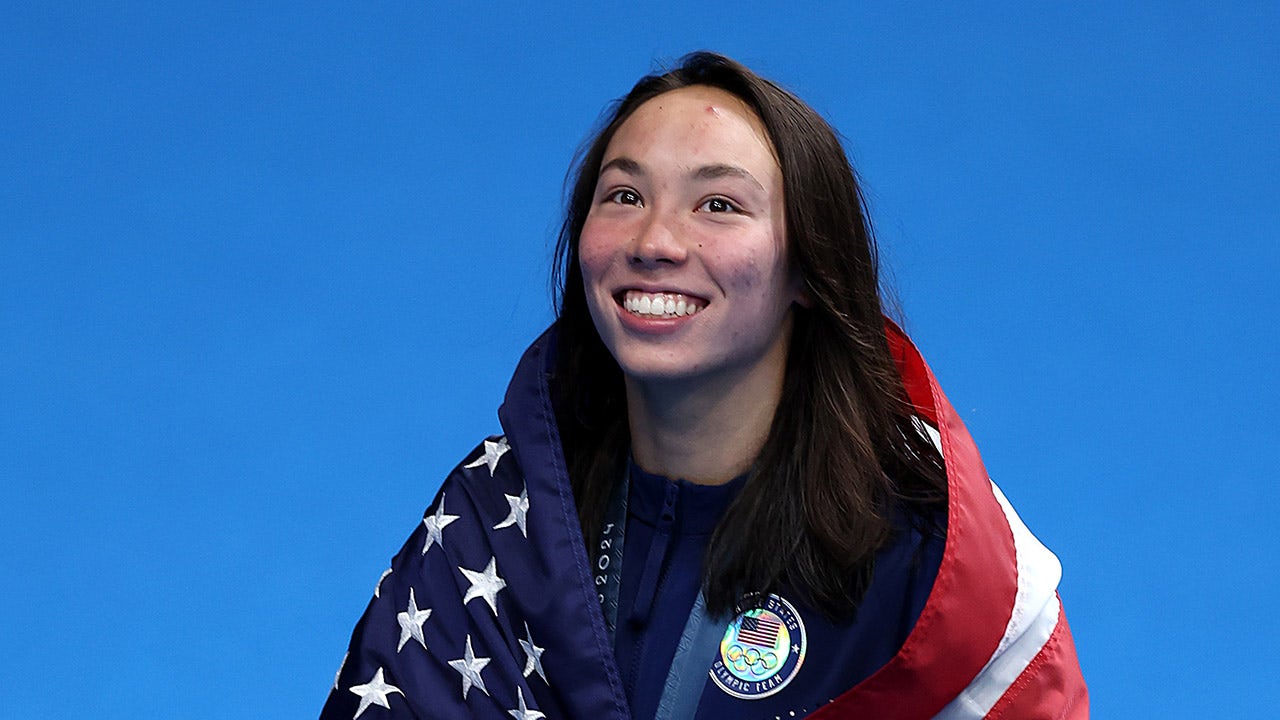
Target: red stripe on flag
<point>973,595</point>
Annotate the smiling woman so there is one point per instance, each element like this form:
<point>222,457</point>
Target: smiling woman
<point>727,485</point>
<point>688,211</point>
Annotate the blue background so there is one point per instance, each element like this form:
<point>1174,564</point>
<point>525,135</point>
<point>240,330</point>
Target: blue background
<point>265,269</point>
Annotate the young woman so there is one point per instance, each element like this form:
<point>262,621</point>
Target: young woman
<point>727,486</point>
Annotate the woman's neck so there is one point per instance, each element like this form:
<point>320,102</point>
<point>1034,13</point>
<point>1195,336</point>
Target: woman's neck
<point>708,435</point>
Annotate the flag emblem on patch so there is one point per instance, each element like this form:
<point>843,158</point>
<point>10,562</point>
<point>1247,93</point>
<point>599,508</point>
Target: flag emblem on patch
<point>762,649</point>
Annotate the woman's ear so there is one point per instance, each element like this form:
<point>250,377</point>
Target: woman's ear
<point>803,297</point>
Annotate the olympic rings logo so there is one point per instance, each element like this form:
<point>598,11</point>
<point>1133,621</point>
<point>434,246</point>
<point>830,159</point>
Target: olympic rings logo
<point>750,663</point>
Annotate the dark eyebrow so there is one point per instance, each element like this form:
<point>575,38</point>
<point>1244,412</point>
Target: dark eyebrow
<point>625,164</point>
<point>713,172</point>
<point>706,172</point>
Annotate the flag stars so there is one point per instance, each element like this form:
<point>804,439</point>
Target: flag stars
<point>411,621</point>
<point>533,655</point>
<point>493,451</point>
<point>435,527</point>
<point>523,712</point>
<point>470,666</point>
<point>484,584</point>
<point>519,512</point>
<point>374,692</point>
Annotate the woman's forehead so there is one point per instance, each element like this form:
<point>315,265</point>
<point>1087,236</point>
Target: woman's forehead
<point>698,123</point>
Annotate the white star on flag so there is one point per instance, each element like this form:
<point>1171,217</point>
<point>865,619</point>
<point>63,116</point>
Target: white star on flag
<point>493,451</point>
<point>435,527</point>
<point>485,584</point>
<point>523,712</point>
<point>519,512</point>
<point>533,655</point>
<point>469,666</point>
<point>374,692</point>
<point>411,623</point>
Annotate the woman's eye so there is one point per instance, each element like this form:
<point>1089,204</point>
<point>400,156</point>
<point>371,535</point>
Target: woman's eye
<point>717,205</point>
<point>624,197</point>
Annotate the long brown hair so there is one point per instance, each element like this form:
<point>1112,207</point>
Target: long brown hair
<point>843,454</point>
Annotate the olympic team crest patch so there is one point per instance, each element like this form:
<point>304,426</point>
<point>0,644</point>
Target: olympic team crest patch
<point>762,649</point>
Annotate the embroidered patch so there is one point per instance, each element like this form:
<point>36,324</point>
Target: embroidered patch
<point>761,651</point>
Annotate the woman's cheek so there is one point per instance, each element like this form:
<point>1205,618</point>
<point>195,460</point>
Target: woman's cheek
<point>592,260</point>
<point>595,256</point>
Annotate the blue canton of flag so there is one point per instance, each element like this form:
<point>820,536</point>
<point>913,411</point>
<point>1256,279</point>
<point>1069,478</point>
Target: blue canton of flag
<point>489,611</point>
<point>430,648</point>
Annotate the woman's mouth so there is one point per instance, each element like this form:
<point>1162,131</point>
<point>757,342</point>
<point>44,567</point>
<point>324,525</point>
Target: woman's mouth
<point>660,304</point>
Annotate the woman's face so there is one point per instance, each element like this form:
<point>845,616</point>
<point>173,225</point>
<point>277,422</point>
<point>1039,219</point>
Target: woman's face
<point>683,252</point>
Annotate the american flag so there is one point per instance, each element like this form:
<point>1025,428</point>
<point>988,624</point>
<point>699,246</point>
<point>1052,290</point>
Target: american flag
<point>762,630</point>
<point>490,610</point>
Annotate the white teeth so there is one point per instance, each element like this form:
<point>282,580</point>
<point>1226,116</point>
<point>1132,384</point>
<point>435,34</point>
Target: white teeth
<point>659,304</point>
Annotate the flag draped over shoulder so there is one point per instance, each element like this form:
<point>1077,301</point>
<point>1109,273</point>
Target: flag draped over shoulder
<point>992,641</point>
<point>490,610</point>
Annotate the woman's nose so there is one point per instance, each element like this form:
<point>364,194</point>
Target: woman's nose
<point>658,242</point>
